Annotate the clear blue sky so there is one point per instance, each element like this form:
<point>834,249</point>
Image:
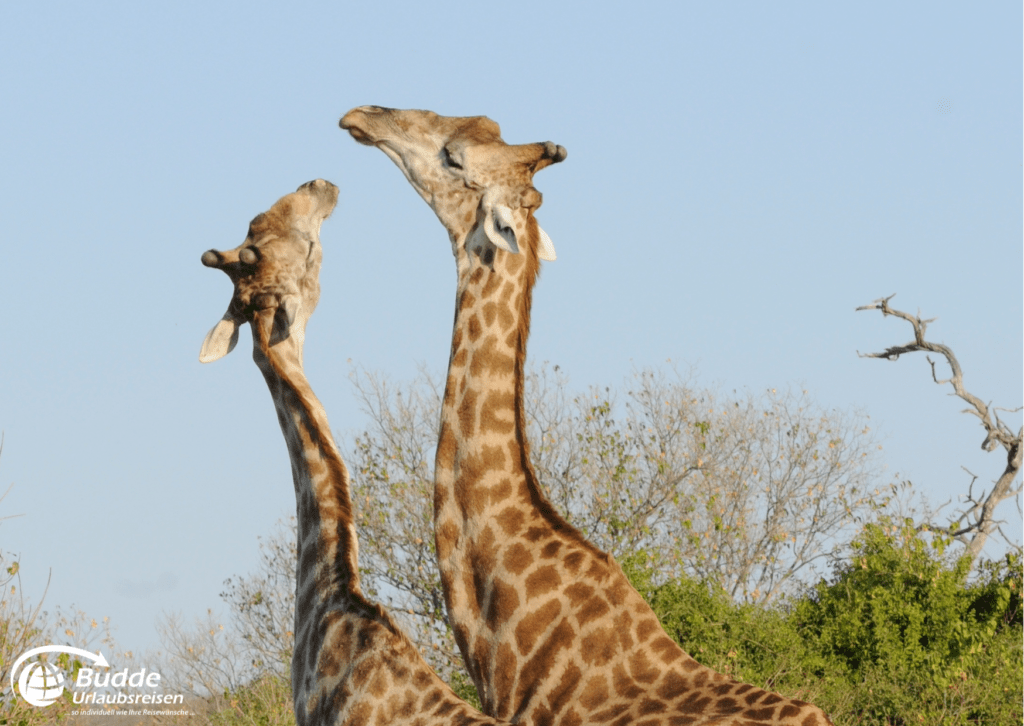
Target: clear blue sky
<point>740,178</point>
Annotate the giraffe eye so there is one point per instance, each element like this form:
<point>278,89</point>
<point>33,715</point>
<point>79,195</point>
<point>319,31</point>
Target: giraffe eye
<point>449,160</point>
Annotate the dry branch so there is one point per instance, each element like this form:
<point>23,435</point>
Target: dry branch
<point>974,524</point>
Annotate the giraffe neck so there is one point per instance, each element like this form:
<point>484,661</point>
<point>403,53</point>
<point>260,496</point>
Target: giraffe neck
<point>483,444</point>
<point>352,664</point>
<point>327,545</point>
<point>487,503</point>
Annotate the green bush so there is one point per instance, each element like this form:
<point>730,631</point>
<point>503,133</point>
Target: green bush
<point>898,636</point>
<point>915,640</point>
<point>752,643</point>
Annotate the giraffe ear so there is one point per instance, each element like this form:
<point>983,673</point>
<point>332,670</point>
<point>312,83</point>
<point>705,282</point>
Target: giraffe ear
<point>504,228</point>
<point>499,225</point>
<point>220,341</point>
<point>545,247</point>
<point>284,317</point>
<point>290,304</point>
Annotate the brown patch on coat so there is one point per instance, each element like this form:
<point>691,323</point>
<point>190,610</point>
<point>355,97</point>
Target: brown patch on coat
<point>533,625</point>
<point>594,609</point>
<point>378,684</point>
<point>690,664</point>
<point>537,668</point>
<point>598,648</point>
<point>473,328</point>
<point>649,706</point>
<point>672,686</point>
<point>505,664</point>
<point>483,559</point>
<point>754,696</point>
<point>491,422</point>
<point>430,699</point>
<point>694,703</point>
<point>481,656</point>
<point>646,628</point>
<point>610,713</point>
<point>488,358</point>
<point>566,688</point>
<point>623,684</point>
<point>517,558</point>
<point>570,718</point>
<point>504,602</point>
<point>446,538</point>
<point>505,318</point>
<point>361,713</point>
<point>595,692</point>
<point>642,669</point>
<point>490,313</point>
<point>623,627</point>
<point>666,649</point>
<point>578,593</point>
<point>542,580</point>
<point>550,550</point>
<point>727,706</point>
<point>500,491</point>
<point>572,562</point>
<point>513,263</point>
<point>491,458</point>
<point>511,521</point>
<point>467,414</point>
<point>536,533</point>
<point>789,711</point>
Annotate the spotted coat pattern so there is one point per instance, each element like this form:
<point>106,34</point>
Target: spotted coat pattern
<point>352,665</point>
<point>550,628</point>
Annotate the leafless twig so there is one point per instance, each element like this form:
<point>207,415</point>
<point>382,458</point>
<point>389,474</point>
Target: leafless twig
<point>975,523</point>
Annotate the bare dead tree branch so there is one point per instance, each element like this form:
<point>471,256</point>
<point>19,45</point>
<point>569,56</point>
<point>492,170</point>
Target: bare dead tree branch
<point>977,521</point>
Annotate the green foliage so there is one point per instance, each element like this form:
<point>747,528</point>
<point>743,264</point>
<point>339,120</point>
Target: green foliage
<point>901,623</point>
<point>464,689</point>
<point>898,636</point>
<point>750,642</point>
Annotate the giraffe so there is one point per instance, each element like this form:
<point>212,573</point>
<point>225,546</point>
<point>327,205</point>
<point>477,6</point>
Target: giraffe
<point>351,664</point>
<point>551,630</point>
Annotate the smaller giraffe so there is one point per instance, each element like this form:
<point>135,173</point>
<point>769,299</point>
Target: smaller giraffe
<point>352,664</point>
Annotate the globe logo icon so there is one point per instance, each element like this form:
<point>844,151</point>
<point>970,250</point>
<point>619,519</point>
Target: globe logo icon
<point>41,684</point>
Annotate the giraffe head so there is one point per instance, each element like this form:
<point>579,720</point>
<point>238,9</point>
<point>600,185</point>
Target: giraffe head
<point>275,270</point>
<point>480,187</point>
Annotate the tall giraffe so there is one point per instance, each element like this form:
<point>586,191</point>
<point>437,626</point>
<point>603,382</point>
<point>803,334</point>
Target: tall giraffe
<point>352,664</point>
<point>551,630</point>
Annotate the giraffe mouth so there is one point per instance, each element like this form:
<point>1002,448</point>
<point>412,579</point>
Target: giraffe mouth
<point>351,122</point>
<point>359,135</point>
